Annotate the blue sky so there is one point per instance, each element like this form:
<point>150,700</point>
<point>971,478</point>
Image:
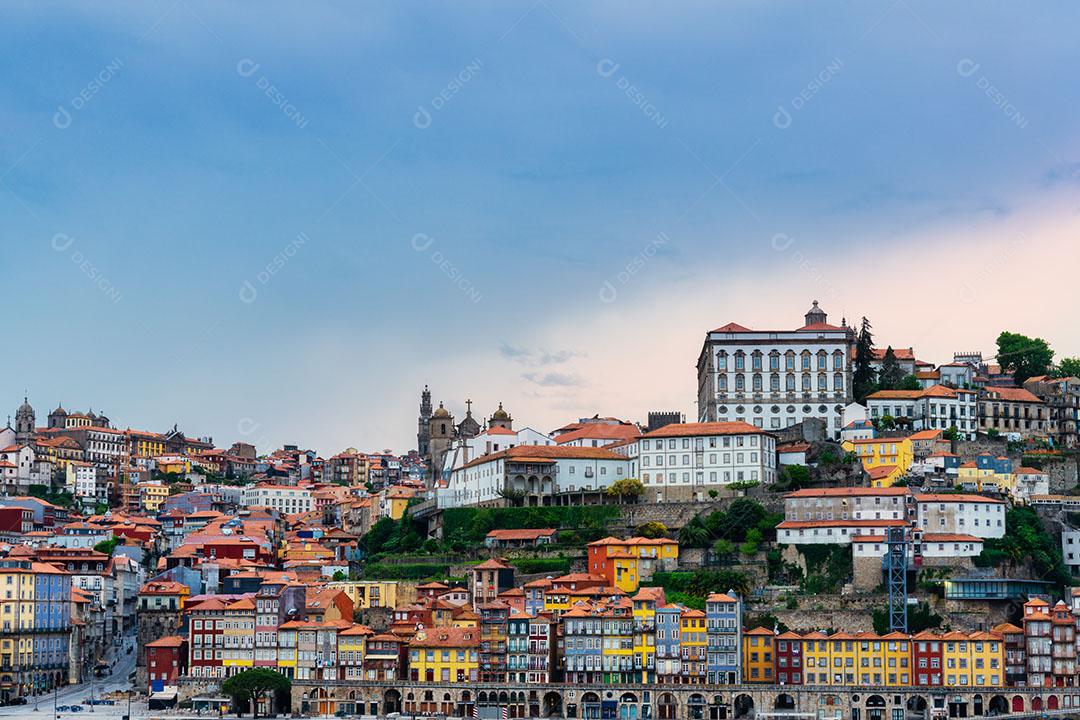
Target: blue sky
<point>444,193</point>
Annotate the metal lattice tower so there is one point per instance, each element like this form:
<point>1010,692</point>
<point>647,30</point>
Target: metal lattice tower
<point>896,572</point>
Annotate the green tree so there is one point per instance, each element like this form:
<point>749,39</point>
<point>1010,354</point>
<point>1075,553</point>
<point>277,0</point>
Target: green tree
<point>951,434</point>
<point>653,529</point>
<point>694,533</point>
<point>863,380</point>
<point>910,382</point>
<point>1023,356</point>
<point>724,549</point>
<point>339,576</point>
<point>891,374</point>
<point>626,489</point>
<point>108,546</point>
<point>251,686</point>
<point>1068,367</point>
<point>794,477</point>
<point>887,422</point>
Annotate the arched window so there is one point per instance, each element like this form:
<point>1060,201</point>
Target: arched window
<point>789,360</point>
<point>838,381</point>
<point>838,360</point>
<point>755,360</point>
<point>757,383</point>
<point>790,382</point>
<point>740,382</point>
<point>722,383</point>
<point>721,360</point>
<point>822,381</point>
<point>740,360</point>
<point>806,381</point>
<point>774,382</point>
<point>805,359</point>
<point>822,360</point>
<point>774,361</point>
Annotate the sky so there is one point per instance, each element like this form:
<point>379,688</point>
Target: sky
<point>277,222</point>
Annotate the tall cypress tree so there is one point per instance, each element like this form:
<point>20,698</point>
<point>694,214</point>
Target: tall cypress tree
<point>863,380</point>
<point>892,375</point>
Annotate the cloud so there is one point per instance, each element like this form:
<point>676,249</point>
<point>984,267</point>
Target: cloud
<point>554,379</point>
<point>538,357</point>
<point>1063,173</point>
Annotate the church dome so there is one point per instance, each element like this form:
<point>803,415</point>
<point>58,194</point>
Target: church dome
<point>441,412</point>
<point>25,407</point>
<point>59,410</point>
<point>500,414</point>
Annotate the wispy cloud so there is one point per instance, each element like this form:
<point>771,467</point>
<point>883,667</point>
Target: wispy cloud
<point>554,379</point>
<point>536,357</point>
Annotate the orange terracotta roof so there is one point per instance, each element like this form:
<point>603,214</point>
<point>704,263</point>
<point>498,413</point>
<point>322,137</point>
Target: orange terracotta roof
<point>707,428</point>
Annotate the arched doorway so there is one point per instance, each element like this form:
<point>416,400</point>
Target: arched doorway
<point>1018,703</point>
<point>1036,704</point>
<point>391,702</point>
<point>590,706</point>
<point>744,706</point>
<point>958,707</point>
<point>916,707</point>
<point>998,705</point>
<point>875,707</point>
<point>718,708</point>
<point>666,706</point>
<point>784,702</point>
<point>696,706</point>
<point>552,704</point>
<point>466,705</point>
<point>1052,702</point>
<point>628,706</point>
<point>977,705</point>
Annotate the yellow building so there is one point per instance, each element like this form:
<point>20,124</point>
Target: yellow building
<point>693,635</point>
<point>351,645</point>
<point>974,660</point>
<point>817,668</point>
<point>173,464</point>
<point>396,501</point>
<point>987,658</point>
<point>152,495</point>
<point>644,646</point>
<point>444,655</point>
<point>626,563</point>
<point>886,460</point>
<point>145,444</point>
<point>238,637</point>
<point>758,655</point>
<point>898,662</point>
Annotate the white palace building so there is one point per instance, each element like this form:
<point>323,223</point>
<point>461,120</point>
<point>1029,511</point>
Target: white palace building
<point>776,378</point>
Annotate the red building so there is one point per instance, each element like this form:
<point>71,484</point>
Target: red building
<point>16,520</point>
<point>926,654</point>
<point>384,657</point>
<point>789,663</point>
<point>204,636</point>
<point>166,661</point>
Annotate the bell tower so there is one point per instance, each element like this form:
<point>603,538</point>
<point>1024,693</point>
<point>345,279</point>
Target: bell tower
<point>24,423</point>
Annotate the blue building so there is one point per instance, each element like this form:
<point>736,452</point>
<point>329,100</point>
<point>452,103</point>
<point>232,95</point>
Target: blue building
<point>723,618</point>
<point>668,645</point>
